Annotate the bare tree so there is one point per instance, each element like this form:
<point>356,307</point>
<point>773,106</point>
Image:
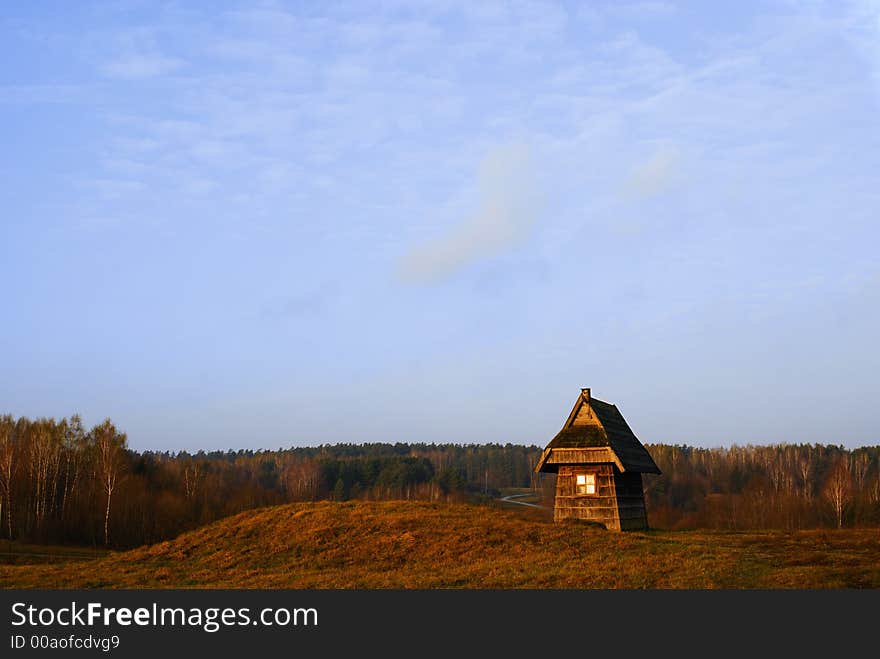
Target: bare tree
<point>44,460</point>
<point>861,463</point>
<point>74,447</point>
<point>805,468</point>
<point>838,488</point>
<point>193,475</point>
<point>109,445</point>
<point>8,466</point>
<point>874,490</point>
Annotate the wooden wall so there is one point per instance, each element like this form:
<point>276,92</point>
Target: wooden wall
<point>619,502</point>
<point>630,501</point>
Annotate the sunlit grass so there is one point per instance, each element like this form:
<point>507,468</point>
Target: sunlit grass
<point>397,544</point>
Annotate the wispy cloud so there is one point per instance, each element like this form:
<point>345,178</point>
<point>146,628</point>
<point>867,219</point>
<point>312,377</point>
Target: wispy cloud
<point>46,94</point>
<point>864,33</point>
<point>508,208</point>
<point>113,188</point>
<point>655,175</point>
<point>642,10</point>
<point>300,305</point>
<point>138,67</point>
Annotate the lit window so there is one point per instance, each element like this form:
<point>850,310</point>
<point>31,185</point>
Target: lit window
<point>585,484</point>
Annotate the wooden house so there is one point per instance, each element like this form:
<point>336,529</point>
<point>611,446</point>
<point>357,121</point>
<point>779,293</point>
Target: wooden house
<point>598,463</point>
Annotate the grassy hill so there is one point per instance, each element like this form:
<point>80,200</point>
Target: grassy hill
<point>423,545</point>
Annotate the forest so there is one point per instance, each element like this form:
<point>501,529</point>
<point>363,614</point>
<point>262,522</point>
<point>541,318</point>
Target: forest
<point>64,484</point>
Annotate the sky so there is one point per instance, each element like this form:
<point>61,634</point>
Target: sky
<point>256,225</point>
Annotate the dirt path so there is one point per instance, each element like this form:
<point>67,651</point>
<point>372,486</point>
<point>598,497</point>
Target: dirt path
<point>512,499</point>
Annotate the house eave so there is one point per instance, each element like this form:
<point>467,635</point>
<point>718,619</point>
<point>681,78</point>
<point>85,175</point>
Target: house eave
<point>552,458</point>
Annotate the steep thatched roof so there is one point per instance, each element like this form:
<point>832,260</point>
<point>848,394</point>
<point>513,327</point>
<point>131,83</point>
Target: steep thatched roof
<point>593,423</point>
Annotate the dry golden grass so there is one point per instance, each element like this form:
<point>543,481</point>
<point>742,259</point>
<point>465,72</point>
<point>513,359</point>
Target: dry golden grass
<point>18,553</point>
<point>422,545</point>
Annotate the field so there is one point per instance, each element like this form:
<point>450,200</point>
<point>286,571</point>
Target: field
<point>424,545</point>
<point>17,553</point>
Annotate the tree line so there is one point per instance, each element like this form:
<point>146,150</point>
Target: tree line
<point>783,486</point>
<point>63,483</point>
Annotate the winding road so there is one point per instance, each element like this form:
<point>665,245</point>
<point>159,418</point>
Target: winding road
<point>511,498</point>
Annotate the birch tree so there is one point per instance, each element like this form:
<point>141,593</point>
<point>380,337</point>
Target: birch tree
<point>838,488</point>
<point>74,447</point>
<point>8,465</point>
<point>109,446</point>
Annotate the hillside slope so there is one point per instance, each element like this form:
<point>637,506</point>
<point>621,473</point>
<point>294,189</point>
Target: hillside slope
<point>423,545</point>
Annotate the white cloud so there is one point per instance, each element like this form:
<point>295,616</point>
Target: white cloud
<point>506,214</point>
<point>642,10</point>
<point>138,67</point>
<point>865,34</point>
<point>292,111</point>
<point>114,188</point>
<point>655,175</point>
<point>38,94</point>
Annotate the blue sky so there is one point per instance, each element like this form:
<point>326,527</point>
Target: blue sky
<point>245,225</point>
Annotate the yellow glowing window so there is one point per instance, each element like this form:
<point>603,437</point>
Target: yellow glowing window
<point>585,484</point>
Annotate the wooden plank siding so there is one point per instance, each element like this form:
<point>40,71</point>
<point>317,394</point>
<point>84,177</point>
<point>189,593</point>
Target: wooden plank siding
<point>630,501</point>
<point>618,503</point>
<point>570,456</point>
<point>600,507</point>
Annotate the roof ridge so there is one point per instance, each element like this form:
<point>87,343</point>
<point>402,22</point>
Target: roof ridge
<point>611,429</point>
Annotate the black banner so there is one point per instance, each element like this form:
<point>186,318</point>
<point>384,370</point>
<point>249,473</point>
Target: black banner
<point>459,623</point>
